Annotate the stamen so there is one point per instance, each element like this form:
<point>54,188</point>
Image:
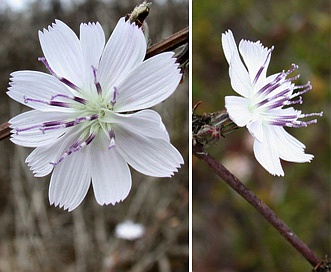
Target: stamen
<point>59,104</point>
<point>293,68</point>
<point>275,103</point>
<point>112,139</point>
<point>113,102</point>
<point>85,143</point>
<point>267,88</point>
<point>320,114</point>
<point>299,101</point>
<point>50,102</point>
<point>293,78</point>
<point>62,79</point>
<point>78,145</point>
<point>307,87</point>
<point>52,125</point>
<point>96,82</point>
<point>74,98</point>
<point>299,124</point>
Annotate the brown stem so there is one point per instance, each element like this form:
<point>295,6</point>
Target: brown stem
<point>257,203</point>
<point>168,44</point>
<point>4,131</point>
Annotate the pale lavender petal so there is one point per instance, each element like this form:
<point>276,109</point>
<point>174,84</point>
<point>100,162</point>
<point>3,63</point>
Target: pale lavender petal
<point>62,50</point>
<point>255,56</point>
<point>27,129</point>
<point>71,180</point>
<point>125,49</point>
<point>42,158</point>
<point>150,156</point>
<point>111,177</point>
<point>150,83</point>
<point>266,153</point>
<point>37,86</point>
<point>229,45</point>
<point>239,76</point>
<point>146,123</point>
<point>256,129</point>
<point>237,108</point>
<point>289,148</point>
<point>92,40</point>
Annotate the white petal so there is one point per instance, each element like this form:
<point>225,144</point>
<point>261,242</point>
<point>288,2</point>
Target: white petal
<point>71,180</point>
<point>240,80</point>
<point>149,84</point>
<point>36,137</point>
<point>289,148</point>
<point>150,156</point>
<point>229,45</point>
<point>125,49</point>
<point>41,158</point>
<point>145,122</point>
<point>237,108</point>
<point>111,178</point>
<point>92,40</point>
<point>266,153</point>
<point>255,56</point>
<point>39,86</point>
<point>255,128</point>
<point>63,52</point>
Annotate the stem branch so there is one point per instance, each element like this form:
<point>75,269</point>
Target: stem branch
<point>257,203</point>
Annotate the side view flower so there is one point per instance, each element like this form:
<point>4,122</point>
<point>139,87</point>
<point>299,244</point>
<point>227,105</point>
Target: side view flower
<point>261,105</point>
<point>89,119</point>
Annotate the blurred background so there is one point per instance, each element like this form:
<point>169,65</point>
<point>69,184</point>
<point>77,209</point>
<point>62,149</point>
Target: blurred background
<point>228,234</point>
<point>38,237</point>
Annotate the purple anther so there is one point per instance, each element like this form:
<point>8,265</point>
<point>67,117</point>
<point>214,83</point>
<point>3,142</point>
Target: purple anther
<point>80,100</point>
<point>89,139</point>
<point>307,87</point>
<point>259,72</point>
<point>113,102</point>
<point>62,79</point>
<point>80,120</point>
<point>299,101</point>
<point>70,124</point>
<point>59,104</point>
<point>96,82</point>
<point>112,139</point>
<point>73,98</point>
<point>94,116</point>
<point>68,83</point>
<point>78,146</point>
<point>268,88</point>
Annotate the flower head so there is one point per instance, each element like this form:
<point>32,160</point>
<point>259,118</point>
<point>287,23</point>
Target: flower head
<point>261,105</point>
<point>80,123</point>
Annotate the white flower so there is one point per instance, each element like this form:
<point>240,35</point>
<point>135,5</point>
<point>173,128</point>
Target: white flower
<point>129,231</point>
<point>80,123</point>
<point>260,108</point>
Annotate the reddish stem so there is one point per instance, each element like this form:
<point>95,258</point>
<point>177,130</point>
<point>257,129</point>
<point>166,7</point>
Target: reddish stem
<point>257,203</point>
